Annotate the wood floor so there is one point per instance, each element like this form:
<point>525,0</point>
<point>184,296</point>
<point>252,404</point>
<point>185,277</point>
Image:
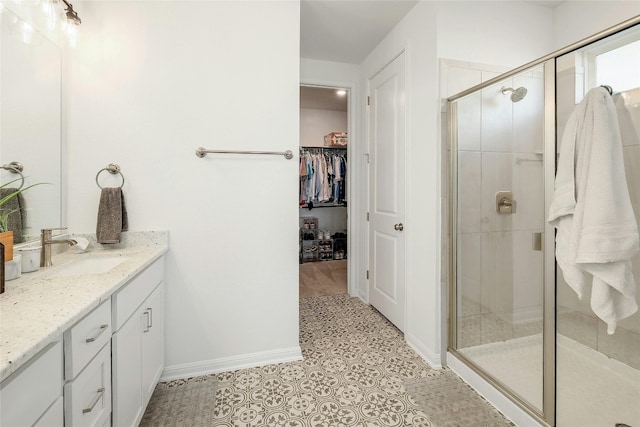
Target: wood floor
<point>323,278</point>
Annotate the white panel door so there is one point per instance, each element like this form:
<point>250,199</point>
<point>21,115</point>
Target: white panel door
<point>387,186</point>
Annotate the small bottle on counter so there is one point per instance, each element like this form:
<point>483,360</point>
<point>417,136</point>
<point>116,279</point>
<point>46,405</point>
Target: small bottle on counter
<point>2,268</point>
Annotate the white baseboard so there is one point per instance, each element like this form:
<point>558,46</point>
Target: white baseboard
<point>233,363</point>
<point>433,359</point>
<point>512,411</point>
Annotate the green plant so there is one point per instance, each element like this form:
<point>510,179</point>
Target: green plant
<point>4,216</point>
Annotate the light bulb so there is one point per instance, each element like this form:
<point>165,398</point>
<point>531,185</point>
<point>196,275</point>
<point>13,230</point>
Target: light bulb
<point>50,16</point>
<point>27,33</point>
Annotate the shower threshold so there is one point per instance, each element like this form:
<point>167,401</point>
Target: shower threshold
<point>586,379</point>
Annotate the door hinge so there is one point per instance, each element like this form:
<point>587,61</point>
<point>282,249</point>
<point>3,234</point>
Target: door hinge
<point>367,274</point>
<point>368,100</point>
<point>367,216</point>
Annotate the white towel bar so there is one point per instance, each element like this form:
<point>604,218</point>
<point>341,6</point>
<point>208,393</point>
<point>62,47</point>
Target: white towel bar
<point>201,152</point>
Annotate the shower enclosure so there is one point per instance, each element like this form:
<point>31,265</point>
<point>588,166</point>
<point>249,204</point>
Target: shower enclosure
<point>513,320</point>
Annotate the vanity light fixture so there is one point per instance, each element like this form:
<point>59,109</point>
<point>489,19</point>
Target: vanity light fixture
<point>72,15</point>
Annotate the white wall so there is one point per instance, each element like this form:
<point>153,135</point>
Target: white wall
<point>315,124</point>
<point>328,73</point>
<point>575,20</point>
<point>149,83</point>
<point>509,33</point>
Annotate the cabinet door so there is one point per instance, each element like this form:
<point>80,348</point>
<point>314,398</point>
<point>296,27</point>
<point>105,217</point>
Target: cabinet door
<point>127,371</point>
<point>152,342</point>
<point>28,393</point>
<point>54,417</point>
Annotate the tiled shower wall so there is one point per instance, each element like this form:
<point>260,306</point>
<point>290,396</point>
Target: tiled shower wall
<point>575,318</point>
<point>499,149</point>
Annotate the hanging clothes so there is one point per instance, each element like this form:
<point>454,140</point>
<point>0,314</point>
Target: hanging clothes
<point>322,176</point>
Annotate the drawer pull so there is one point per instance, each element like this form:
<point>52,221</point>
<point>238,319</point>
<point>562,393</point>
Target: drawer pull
<point>147,326</point>
<point>149,313</point>
<point>102,329</point>
<point>95,402</point>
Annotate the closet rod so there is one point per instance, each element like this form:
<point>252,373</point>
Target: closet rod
<point>201,152</point>
<point>322,148</point>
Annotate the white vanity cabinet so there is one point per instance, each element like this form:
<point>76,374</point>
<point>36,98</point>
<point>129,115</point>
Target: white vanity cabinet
<point>99,372</point>
<point>138,344</point>
<point>32,396</point>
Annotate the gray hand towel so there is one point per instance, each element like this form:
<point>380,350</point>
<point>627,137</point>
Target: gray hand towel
<point>16,206</point>
<point>112,216</point>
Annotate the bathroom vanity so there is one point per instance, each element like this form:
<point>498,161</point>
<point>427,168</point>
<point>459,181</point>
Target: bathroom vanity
<point>82,343</point>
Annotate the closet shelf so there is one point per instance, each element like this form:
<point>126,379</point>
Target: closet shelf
<point>305,148</point>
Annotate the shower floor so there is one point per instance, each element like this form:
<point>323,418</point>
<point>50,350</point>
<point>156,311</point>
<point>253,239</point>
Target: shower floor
<point>593,390</point>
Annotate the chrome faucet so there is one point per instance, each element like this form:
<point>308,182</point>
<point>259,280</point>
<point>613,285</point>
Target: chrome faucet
<point>46,239</point>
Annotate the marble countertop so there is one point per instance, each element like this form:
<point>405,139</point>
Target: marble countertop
<point>36,309</point>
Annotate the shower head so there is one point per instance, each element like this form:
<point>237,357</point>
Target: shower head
<point>517,94</point>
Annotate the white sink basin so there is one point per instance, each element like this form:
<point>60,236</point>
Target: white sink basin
<point>92,264</point>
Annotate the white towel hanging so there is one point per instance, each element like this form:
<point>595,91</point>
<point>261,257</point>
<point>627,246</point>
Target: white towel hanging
<point>597,232</point>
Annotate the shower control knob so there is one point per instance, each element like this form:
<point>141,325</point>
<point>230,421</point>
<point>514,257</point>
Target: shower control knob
<point>505,205</point>
<point>398,227</point>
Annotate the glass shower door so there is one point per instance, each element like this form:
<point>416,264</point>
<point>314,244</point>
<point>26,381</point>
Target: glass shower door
<point>598,379</point>
<point>499,223</point>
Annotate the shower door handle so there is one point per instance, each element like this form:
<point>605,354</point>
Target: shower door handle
<point>536,241</point>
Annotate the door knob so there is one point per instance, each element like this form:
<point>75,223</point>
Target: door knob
<point>398,227</point>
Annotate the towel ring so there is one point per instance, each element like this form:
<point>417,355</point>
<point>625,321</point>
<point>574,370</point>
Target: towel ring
<point>15,167</point>
<point>112,169</point>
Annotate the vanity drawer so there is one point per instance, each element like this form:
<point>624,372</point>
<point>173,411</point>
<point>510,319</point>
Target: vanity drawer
<point>40,380</point>
<point>85,339</point>
<point>128,299</point>
<point>87,399</point>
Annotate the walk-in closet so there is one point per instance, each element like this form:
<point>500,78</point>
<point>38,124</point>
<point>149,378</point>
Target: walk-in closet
<point>323,198</point>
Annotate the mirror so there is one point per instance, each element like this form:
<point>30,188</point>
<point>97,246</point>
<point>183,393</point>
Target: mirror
<point>30,120</point>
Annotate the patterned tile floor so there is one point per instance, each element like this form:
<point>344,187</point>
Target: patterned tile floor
<point>355,368</point>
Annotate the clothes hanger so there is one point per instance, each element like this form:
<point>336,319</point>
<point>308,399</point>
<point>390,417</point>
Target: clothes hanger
<point>608,88</point>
